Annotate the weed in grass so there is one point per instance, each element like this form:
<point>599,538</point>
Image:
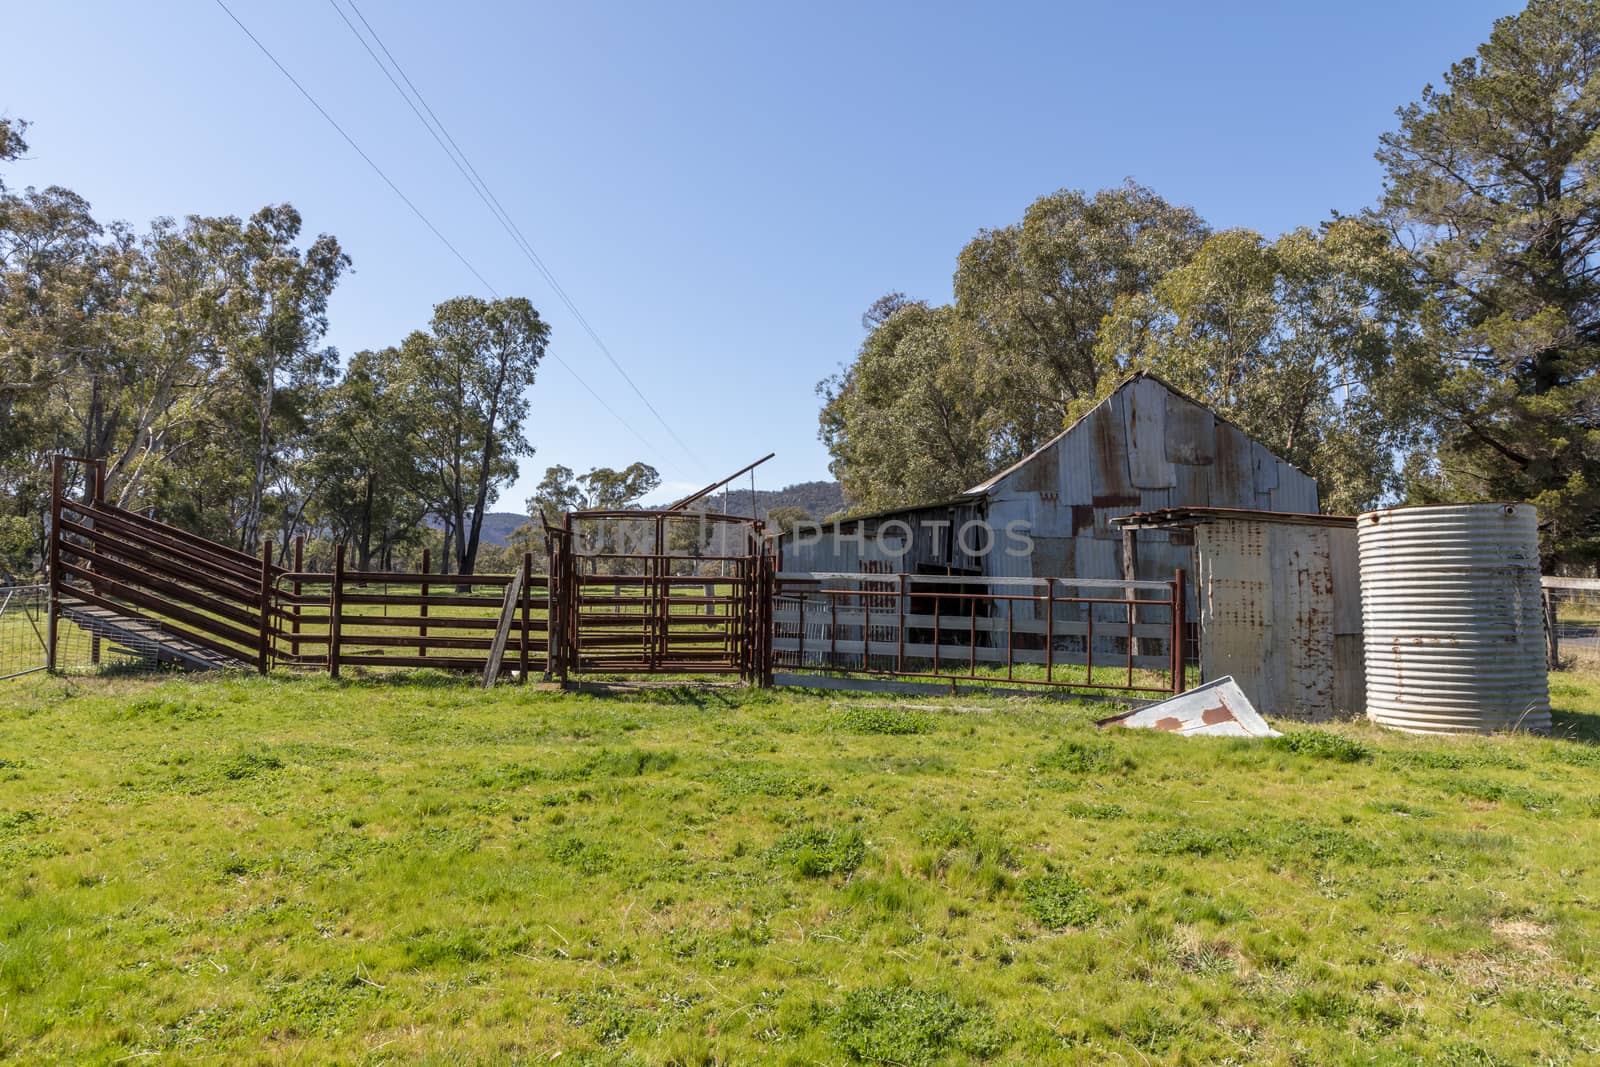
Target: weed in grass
<point>1321,744</point>
<point>755,779</point>
<point>1321,1005</point>
<point>1454,759</point>
<point>948,831</point>
<point>627,763</point>
<point>434,948</point>
<point>166,709</point>
<point>249,764</point>
<point>886,897</point>
<point>1086,757</point>
<point>1526,797</point>
<point>1187,841</point>
<point>1092,810</point>
<point>819,852</point>
<point>1191,907</point>
<point>1150,1029</point>
<point>968,859</point>
<point>905,1024</point>
<point>314,1007</point>
<point>880,719</point>
<point>1057,901</point>
<point>1400,807</point>
<point>586,857</point>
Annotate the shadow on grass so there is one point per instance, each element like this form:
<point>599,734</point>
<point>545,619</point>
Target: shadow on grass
<point>1580,726</point>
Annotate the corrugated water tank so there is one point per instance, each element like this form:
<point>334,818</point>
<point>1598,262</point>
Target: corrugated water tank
<point>1451,617</point>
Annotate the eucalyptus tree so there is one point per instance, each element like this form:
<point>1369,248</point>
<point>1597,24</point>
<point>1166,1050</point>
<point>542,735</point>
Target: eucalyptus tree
<point>1033,295</point>
<point>463,386</point>
<point>360,479</point>
<point>908,421</point>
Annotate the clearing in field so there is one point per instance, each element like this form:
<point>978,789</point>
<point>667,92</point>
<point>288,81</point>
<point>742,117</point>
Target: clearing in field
<point>413,870</point>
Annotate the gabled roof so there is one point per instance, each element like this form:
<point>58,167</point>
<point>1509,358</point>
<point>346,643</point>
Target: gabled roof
<point>990,483</point>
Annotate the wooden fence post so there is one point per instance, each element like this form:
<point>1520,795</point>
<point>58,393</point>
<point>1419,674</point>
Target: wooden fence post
<point>53,614</point>
<point>1552,631</point>
<point>1180,598</point>
<point>527,615</point>
<point>264,626</point>
<point>335,607</point>
<point>422,609</point>
<point>552,612</point>
<point>299,567</point>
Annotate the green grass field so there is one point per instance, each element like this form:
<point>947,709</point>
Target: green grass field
<point>411,870</point>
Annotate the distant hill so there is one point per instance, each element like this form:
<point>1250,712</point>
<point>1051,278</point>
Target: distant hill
<point>497,526</point>
<point>819,498</point>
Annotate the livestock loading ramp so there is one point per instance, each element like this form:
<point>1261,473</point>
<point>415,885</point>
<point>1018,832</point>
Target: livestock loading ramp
<point>150,590</point>
<point>145,639</point>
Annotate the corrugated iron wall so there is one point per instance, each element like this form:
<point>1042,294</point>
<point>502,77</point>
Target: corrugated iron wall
<point>1280,610</point>
<point>1142,449</point>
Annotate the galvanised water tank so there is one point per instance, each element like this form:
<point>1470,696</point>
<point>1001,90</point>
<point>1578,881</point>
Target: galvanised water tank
<point>1451,617</point>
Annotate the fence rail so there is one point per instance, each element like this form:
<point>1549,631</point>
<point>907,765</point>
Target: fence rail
<point>628,593</point>
<point>351,618</point>
<point>1119,636</point>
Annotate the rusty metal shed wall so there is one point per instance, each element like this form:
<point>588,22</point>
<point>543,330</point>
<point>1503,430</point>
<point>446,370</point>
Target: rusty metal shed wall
<point>1145,447</point>
<point>1276,603</point>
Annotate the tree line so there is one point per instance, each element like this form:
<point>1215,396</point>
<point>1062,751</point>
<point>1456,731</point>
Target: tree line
<point>1440,346</point>
<point>191,358</point>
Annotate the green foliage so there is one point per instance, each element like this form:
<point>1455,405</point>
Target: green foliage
<point>1311,343</point>
<point>881,719</point>
<point>1057,901</point>
<point>1322,744</point>
<point>19,546</point>
<point>1487,180</point>
<point>602,488</point>
<point>905,422</point>
<point>908,1025</point>
<point>464,384</point>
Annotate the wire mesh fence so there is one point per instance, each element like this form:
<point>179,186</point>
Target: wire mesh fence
<point>82,647</point>
<point>1572,611</point>
<point>22,629</point>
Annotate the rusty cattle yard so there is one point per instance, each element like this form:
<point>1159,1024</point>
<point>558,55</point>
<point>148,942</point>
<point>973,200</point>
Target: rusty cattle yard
<point>664,593</point>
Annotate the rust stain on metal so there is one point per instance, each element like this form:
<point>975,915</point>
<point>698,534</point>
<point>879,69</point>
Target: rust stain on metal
<point>1217,708</point>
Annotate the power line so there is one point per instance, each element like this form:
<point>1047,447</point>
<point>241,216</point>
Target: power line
<point>419,214</point>
<point>464,165</point>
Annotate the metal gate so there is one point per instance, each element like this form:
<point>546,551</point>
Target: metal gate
<point>660,592</point>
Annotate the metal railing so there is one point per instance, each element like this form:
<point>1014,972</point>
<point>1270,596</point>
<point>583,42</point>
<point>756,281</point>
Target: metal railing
<point>1117,636</point>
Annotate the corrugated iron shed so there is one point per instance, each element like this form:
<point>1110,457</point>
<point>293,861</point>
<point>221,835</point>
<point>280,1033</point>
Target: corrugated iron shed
<point>1279,605</point>
<point>1146,447</point>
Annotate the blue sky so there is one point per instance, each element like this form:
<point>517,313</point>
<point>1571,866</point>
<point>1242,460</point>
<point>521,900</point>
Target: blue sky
<point>720,188</point>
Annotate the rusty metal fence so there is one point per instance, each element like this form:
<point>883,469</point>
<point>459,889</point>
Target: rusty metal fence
<point>660,592</point>
<point>1123,637</point>
<point>629,592</point>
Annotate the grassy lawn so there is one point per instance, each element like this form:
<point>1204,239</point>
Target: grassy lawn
<point>411,870</point>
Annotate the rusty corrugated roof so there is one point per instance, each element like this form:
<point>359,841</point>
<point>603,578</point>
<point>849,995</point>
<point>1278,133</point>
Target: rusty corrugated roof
<point>1191,516</point>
